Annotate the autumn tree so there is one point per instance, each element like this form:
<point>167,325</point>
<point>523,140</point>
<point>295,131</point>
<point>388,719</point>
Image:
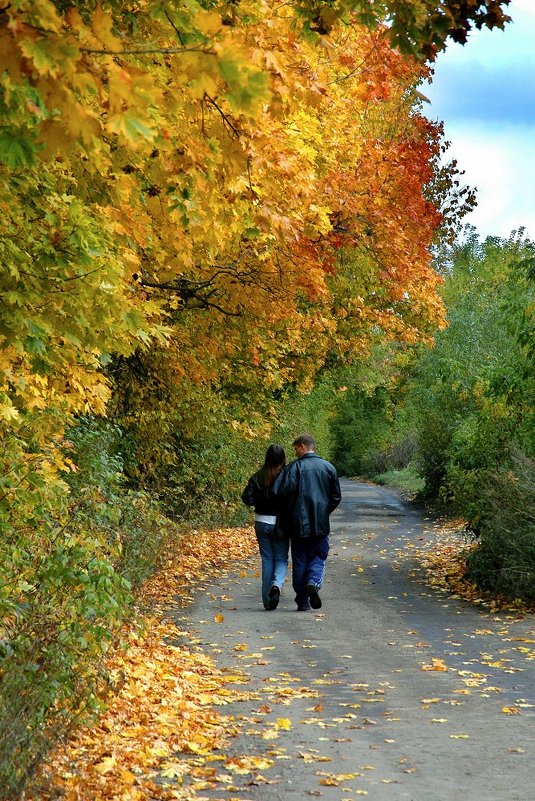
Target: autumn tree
<point>203,207</point>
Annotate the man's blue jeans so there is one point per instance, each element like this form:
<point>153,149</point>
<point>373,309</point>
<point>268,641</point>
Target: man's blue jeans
<point>309,555</point>
<point>274,557</point>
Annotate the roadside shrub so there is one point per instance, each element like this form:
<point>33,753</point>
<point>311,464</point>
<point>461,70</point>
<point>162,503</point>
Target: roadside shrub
<point>504,561</point>
<point>72,551</point>
<point>67,598</point>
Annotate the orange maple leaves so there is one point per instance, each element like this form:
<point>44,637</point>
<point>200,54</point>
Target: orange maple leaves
<point>234,170</point>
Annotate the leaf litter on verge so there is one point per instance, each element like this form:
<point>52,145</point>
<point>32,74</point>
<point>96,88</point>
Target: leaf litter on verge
<point>166,701</point>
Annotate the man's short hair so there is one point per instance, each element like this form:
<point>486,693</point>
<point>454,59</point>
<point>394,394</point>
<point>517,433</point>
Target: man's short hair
<point>307,440</point>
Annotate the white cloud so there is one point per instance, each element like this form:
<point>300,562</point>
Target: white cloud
<point>523,5</point>
<point>502,168</point>
<point>485,94</point>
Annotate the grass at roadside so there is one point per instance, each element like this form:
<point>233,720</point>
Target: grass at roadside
<point>406,479</point>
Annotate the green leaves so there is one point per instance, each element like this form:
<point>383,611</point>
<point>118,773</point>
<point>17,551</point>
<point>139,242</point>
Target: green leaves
<point>131,129</point>
<point>247,88</point>
<point>17,150</point>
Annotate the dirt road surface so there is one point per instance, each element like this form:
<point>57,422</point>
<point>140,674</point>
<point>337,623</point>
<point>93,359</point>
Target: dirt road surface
<point>392,690</point>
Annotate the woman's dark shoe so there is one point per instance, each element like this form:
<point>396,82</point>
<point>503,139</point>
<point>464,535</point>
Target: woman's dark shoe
<point>315,600</point>
<point>274,596</point>
<point>304,608</point>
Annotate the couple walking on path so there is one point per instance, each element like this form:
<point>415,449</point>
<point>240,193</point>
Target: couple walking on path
<point>292,506</point>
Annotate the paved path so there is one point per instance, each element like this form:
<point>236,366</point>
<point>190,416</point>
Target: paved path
<point>379,722</point>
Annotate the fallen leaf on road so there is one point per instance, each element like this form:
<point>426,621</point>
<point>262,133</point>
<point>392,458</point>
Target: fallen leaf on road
<point>314,757</point>
<point>511,710</point>
<point>270,734</point>
<point>283,723</point>
<point>334,779</point>
<point>436,664</point>
<point>247,764</point>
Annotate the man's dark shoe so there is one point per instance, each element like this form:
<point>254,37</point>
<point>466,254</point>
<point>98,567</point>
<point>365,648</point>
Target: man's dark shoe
<point>274,595</point>
<point>315,600</point>
<point>304,608</point>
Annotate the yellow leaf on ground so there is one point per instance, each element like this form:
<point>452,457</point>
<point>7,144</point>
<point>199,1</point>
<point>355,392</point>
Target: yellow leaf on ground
<point>107,764</point>
<point>436,664</point>
<point>219,618</point>
<point>283,723</point>
<point>270,734</point>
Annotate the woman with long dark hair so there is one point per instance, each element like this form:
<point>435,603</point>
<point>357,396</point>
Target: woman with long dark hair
<point>273,548</point>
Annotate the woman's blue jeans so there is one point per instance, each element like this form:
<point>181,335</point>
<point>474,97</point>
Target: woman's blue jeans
<point>274,558</point>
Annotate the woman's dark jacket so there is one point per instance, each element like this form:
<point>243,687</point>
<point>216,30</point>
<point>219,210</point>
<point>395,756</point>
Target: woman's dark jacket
<point>258,495</point>
<point>308,491</point>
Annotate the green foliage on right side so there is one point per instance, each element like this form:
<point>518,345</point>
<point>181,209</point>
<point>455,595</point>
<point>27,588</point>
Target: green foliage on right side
<point>461,414</point>
<point>472,394</point>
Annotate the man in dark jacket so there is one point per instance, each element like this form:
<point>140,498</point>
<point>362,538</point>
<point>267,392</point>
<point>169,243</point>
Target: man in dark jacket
<point>308,491</point>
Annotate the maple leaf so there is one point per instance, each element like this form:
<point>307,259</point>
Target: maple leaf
<point>436,665</point>
<point>283,723</point>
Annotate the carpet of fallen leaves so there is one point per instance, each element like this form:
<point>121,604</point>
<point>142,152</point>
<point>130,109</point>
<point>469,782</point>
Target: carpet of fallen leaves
<point>161,736</point>
<point>166,691</point>
<point>444,565</point>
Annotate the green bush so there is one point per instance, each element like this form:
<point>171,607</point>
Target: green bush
<point>66,582</point>
<point>457,411</point>
<point>504,560</point>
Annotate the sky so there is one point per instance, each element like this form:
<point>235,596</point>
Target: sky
<point>484,93</point>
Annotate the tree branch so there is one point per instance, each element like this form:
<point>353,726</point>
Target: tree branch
<point>225,117</point>
<point>165,51</point>
<point>191,294</point>
<point>179,35</point>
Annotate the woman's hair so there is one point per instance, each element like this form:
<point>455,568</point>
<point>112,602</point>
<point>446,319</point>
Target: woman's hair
<point>273,463</point>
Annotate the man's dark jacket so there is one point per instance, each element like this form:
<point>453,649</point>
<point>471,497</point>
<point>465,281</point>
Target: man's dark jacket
<point>308,491</point>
